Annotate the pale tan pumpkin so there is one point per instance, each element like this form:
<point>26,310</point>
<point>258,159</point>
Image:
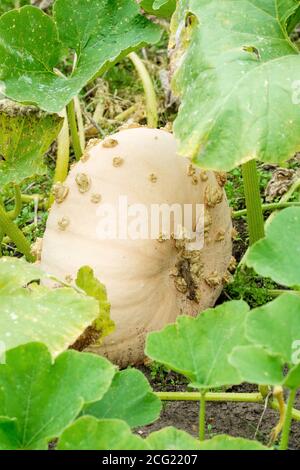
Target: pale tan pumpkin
<point>147,280</point>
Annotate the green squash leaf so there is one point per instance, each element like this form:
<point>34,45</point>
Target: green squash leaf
<point>238,78</point>
<point>257,366</point>
<point>159,3</point>
<point>25,136</point>
<point>224,442</point>
<point>276,326</point>
<point>293,21</point>
<point>274,330</point>
<point>8,433</point>
<point>138,405</point>
<point>278,255</point>
<point>286,10</point>
<point>56,317</point>
<point>91,286</point>
<point>16,273</point>
<point>172,439</point>
<point>292,379</point>
<point>89,433</point>
<point>160,8</point>
<point>45,397</point>
<point>198,347</point>
<point>101,32</point>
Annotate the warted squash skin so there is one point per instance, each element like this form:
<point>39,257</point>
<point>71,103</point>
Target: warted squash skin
<point>149,282</point>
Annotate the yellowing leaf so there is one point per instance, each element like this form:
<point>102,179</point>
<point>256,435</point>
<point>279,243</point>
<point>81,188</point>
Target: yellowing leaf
<point>56,317</point>
<point>93,288</point>
<point>25,136</point>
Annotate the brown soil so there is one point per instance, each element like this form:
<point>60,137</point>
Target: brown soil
<point>240,245</point>
<point>246,420</point>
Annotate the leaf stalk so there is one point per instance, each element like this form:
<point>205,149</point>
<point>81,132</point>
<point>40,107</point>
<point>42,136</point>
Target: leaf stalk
<point>267,207</point>
<point>150,95</point>
<point>18,204</point>
<point>74,130</point>
<point>253,202</point>
<point>202,413</point>
<point>254,397</point>
<point>284,442</point>
<point>15,234</point>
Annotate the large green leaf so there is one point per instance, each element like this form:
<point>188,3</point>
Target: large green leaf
<point>99,31</point>
<point>45,397</point>
<point>8,433</point>
<point>138,406</point>
<point>276,326</point>
<point>159,3</point>
<point>56,317</point>
<point>292,379</point>
<point>238,77</point>
<point>172,439</point>
<point>257,366</point>
<point>224,442</point>
<point>25,136</point>
<point>16,273</point>
<point>198,347</point>
<point>278,255</point>
<point>89,433</point>
<point>294,20</point>
<point>274,331</point>
<point>160,8</point>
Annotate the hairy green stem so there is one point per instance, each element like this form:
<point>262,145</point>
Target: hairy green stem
<point>80,123</point>
<point>74,130</point>
<point>31,197</point>
<point>151,100</point>
<point>267,207</point>
<point>284,442</point>
<point>254,397</point>
<point>36,198</point>
<point>125,114</point>
<point>278,395</point>
<point>62,156</point>
<point>286,197</point>
<point>1,240</point>
<point>15,234</point>
<point>18,204</point>
<point>26,231</point>
<point>211,396</point>
<point>253,201</point>
<point>63,152</point>
<point>264,390</point>
<point>202,412</point>
<point>277,292</point>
